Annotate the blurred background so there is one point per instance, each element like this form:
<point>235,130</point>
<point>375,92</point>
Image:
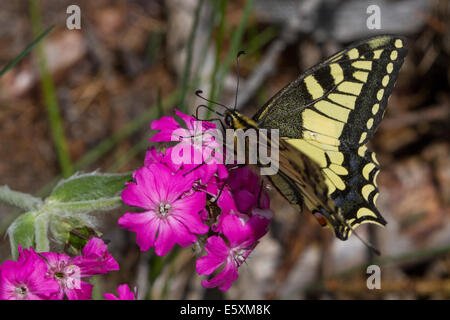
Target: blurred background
<point>84,100</point>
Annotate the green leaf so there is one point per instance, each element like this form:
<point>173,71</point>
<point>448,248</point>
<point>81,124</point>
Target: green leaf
<point>21,231</point>
<point>19,199</point>
<point>67,208</point>
<point>25,52</point>
<point>73,200</point>
<point>87,187</point>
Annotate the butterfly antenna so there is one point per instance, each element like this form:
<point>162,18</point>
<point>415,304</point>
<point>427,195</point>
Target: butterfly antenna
<point>365,242</point>
<point>198,93</point>
<point>238,76</point>
<point>209,108</point>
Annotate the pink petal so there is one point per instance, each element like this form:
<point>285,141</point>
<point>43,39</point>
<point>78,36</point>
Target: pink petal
<point>180,233</point>
<point>147,180</point>
<point>187,119</point>
<point>83,293</point>
<point>222,171</point>
<point>95,259</point>
<point>216,246</point>
<point>217,254</point>
<point>167,125</point>
<point>176,185</point>
<point>258,224</point>
<point>226,202</point>
<point>207,264</point>
<point>110,296</point>
<point>125,293</point>
<point>153,156</point>
<point>133,195</point>
<point>245,200</point>
<point>186,211</point>
<point>224,279</point>
<point>145,225</point>
<point>165,240</point>
<point>235,230</point>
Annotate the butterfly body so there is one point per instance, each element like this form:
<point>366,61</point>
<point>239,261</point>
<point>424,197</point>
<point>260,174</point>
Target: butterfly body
<point>325,118</point>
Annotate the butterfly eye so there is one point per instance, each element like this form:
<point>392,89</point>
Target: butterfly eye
<point>228,120</point>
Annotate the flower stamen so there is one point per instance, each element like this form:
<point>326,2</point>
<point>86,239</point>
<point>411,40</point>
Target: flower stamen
<point>21,291</point>
<point>164,209</point>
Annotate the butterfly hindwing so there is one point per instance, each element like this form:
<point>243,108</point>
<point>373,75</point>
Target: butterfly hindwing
<point>357,201</point>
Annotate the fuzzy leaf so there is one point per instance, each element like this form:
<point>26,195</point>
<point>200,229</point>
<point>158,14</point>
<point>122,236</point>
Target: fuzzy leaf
<point>86,187</point>
<point>21,200</point>
<point>21,231</point>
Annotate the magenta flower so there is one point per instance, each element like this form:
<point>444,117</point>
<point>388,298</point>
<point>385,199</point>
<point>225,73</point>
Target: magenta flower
<point>68,275</point>
<point>68,271</point>
<point>195,164</point>
<point>246,188</point>
<point>171,130</point>
<point>242,237</point>
<point>178,190</point>
<point>95,259</point>
<point>172,209</point>
<point>196,151</point>
<point>27,279</point>
<point>124,294</point>
<point>154,156</point>
<point>242,196</point>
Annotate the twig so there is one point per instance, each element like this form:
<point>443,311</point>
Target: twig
<point>416,255</point>
<point>143,275</point>
<point>266,67</point>
<point>289,35</point>
<point>439,112</point>
<point>236,40</point>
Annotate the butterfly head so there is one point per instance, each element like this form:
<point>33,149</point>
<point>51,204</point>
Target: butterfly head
<point>229,118</point>
<point>236,120</point>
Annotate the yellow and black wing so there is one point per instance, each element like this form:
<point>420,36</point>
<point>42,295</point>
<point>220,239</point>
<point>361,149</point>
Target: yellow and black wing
<point>328,114</point>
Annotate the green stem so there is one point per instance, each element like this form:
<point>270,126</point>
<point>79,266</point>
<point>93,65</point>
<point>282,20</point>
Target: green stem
<point>219,42</point>
<point>190,49</point>
<point>41,233</point>
<point>134,151</point>
<point>85,206</point>
<point>12,63</point>
<point>51,103</point>
<point>234,48</point>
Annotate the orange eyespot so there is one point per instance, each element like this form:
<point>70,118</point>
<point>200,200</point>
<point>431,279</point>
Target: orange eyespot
<point>320,218</point>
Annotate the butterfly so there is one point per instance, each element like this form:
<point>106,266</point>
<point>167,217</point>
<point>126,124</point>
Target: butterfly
<point>325,118</point>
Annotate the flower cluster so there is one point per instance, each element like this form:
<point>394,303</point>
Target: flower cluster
<point>223,210</point>
<point>54,276</point>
